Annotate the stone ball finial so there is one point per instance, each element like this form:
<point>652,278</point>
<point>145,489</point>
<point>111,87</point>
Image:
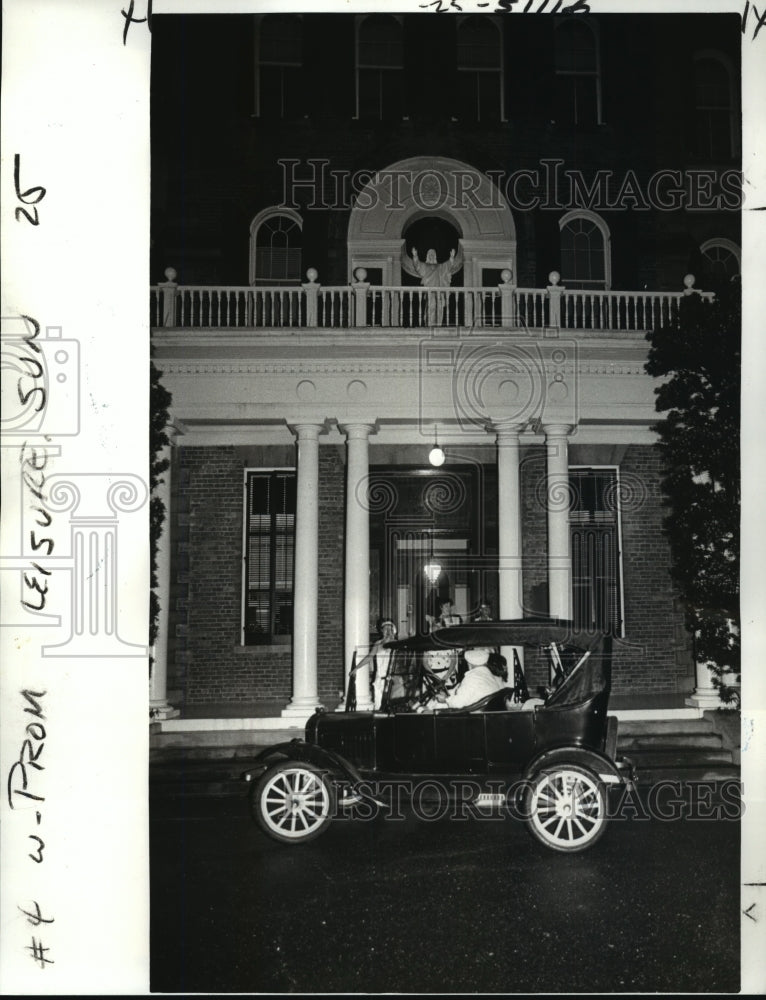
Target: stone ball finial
<point>689,281</point>
<point>171,274</point>
<point>312,274</point>
<point>360,274</point>
<point>554,277</point>
<point>506,274</point>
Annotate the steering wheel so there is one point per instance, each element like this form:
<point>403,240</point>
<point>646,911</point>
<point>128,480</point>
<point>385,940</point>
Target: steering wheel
<point>431,686</point>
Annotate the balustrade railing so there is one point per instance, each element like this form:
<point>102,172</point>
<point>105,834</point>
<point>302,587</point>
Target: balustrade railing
<point>383,307</point>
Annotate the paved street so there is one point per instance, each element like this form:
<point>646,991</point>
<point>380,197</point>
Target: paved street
<point>463,906</point>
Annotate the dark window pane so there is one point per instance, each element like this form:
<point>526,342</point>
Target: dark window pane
<point>281,39</point>
<point>270,92</point>
<point>582,254</point>
<point>293,105</point>
<point>380,42</point>
<point>478,96</point>
<point>489,96</point>
<point>391,89</point>
<point>595,551</point>
<point>269,555</point>
<point>380,93</point>
<point>713,134</point>
<point>478,44</point>
<point>575,47</point>
<point>468,96</point>
<point>711,84</point>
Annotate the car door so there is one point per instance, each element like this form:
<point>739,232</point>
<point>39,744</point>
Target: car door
<point>414,746</point>
<point>459,740</point>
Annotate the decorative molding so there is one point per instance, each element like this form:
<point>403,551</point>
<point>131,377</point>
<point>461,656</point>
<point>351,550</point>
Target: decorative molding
<point>310,366</point>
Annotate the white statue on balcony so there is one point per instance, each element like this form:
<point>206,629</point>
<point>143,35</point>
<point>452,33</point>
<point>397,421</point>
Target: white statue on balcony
<point>432,275</point>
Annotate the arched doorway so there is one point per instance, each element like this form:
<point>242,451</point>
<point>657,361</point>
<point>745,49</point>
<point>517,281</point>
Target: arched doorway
<point>442,191</point>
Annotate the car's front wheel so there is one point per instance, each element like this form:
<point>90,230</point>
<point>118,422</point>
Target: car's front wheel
<point>566,808</point>
<point>293,802</point>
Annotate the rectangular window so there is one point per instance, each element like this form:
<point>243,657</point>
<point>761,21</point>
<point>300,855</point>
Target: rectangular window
<point>594,526</point>
<point>380,93</point>
<point>268,557</point>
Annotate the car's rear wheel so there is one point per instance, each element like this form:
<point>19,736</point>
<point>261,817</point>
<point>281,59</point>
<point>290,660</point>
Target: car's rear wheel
<point>293,802</point>
<point>566,808</point>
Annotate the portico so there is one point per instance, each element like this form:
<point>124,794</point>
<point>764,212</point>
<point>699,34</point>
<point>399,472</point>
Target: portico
<point>514,406</point>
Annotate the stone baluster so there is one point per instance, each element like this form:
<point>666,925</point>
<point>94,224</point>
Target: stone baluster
<point>554,299</point>
<point>168,297</point>
<point>507,290</point>
<point>311,291</point>
<point>360,286</point>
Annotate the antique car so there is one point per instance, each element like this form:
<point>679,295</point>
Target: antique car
<point>551,761</point>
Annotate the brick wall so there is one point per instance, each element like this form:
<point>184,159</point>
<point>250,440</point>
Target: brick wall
<point>209,664</point>
<point>534,547</point>
<point>331,566</point>
<point>655,653</point>
<point>207,192</point>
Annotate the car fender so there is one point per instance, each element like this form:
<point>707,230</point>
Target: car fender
<point>307,752</point>
<point>596,762</point>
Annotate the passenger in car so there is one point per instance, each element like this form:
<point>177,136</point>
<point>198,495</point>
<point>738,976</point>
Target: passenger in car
<point>478,682</point>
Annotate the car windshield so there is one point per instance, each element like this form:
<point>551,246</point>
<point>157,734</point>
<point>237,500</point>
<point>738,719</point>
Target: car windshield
<point>580,663</point>
<point>405,676</point>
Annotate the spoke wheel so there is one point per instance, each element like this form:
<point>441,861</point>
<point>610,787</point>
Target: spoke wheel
<point>566,807</point>
<point>293,802</point>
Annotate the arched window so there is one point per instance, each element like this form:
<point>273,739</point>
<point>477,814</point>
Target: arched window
<point>379,67</point>
<point>275,247</point>
<point>722,260</point>
<point>480,69</point>
<point>578,73</point>
<point>585,251</point>
<point>279,58</point>
<point>713,107</point>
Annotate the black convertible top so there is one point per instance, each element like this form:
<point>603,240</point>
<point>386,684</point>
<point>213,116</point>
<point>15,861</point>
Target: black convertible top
<point>507,632</point>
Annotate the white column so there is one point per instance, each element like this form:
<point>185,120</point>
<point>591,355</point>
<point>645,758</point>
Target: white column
<point>306,585</point>
<point>557,500</point>
<point>705,692</point>
<point>509,523</point>
<point>159,708</point>
<point>357,581</point>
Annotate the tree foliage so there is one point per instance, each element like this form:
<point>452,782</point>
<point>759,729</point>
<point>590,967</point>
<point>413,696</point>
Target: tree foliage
<point>159,402</point>
<point>698,359</point>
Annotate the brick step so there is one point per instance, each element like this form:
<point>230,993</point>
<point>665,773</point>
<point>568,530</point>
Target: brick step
<point>651,741</point>
<point>238,752</point>
<point>650,727</point>
<point>208,738</point>
<point>673,756</point>
<point>689,773</point>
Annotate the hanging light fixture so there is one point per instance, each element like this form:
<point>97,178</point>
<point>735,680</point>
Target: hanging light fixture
<point>436,455</point>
